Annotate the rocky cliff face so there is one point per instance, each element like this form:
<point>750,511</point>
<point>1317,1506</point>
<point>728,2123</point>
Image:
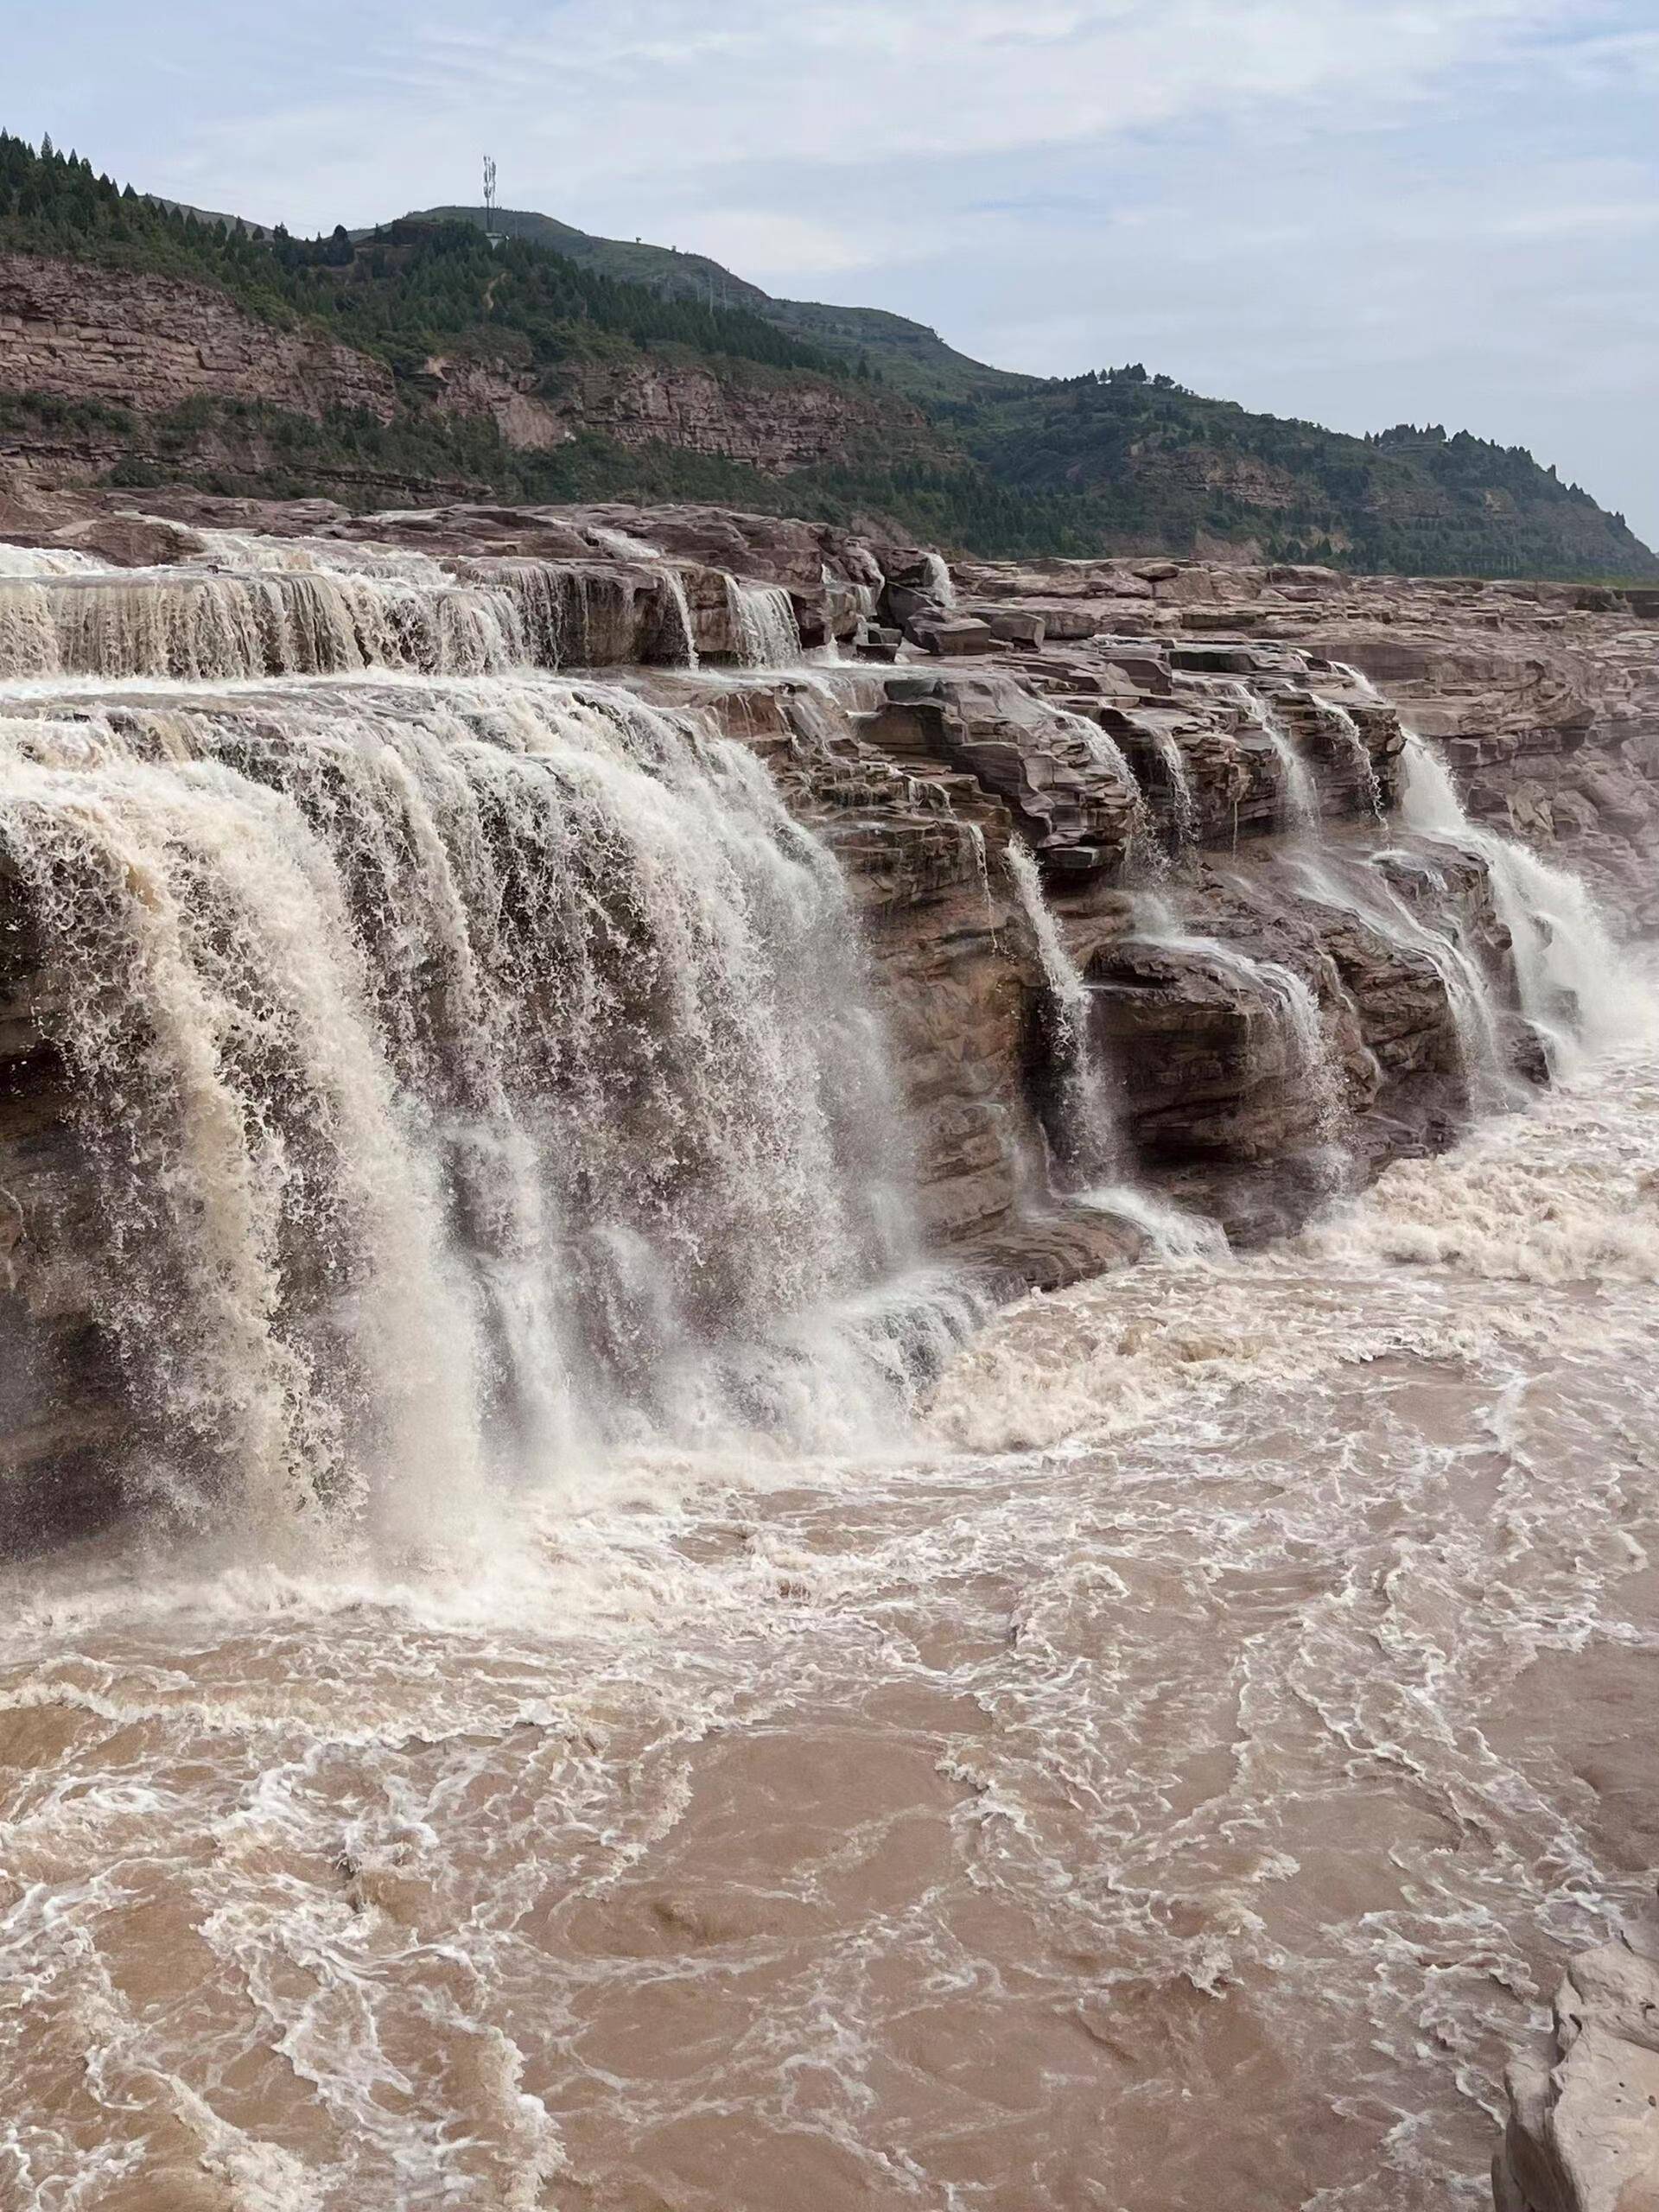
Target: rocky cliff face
<point>149,343</point>
<point>1544,698</point>
<point>770,423</point>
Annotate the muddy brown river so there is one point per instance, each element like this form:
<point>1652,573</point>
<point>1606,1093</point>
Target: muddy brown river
<point>1175,1776</point>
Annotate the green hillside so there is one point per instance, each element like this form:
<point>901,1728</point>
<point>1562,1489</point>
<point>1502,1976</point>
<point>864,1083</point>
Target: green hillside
<point>911,357</point>
<point>997,464</point>
<point>1149,459</point>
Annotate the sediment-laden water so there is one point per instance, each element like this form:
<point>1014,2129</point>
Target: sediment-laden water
<point>1179,1771</point>
<point>622,1699</point>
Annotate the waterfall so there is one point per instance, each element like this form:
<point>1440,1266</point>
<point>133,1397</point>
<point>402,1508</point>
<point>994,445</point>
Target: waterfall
<point>1300,794</point>
<point>196,627</point>
<point>1178,781</point>
<point>763,618</point>
<point>1106,754</point>
<point>43,561</point>
<point>240,550</point>
<point>940,585</point>
<point>674,585</point>
<point>1086,1142</point>
<point>1576,989</point>
<point>1468,996</point>
<point>1359,752</point>
<point>469,1069</point>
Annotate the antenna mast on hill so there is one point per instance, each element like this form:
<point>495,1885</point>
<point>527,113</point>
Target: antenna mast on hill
<point>491,225</point>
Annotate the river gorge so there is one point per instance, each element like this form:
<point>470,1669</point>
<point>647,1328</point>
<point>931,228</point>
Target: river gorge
<point>831,1380</point>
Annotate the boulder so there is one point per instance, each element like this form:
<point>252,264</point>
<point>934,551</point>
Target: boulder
<point>1015,629</point>
<point>133,541</point>
<point>1583,2132</point>
<point>951,638</point>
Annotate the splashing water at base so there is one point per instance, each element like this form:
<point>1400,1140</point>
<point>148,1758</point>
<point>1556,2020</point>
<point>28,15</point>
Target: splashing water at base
<point>941,586</point>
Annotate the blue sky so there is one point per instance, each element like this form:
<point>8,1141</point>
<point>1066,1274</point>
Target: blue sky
<point>1363,212</point>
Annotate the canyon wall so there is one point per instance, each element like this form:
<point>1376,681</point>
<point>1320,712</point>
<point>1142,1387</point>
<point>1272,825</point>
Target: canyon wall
<point>150,343</point>
<point>89,338</point>
<point>741,412</point>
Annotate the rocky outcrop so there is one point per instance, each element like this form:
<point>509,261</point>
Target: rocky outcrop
<point>149,343</point>
<point>1544,698</point>
<point>744,413</point>
<point>1583,2132</point>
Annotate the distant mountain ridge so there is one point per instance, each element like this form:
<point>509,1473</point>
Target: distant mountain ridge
<point>414,360</point>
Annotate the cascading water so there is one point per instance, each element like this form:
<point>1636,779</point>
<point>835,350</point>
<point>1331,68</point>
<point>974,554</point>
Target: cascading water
<point>1353,743</point>
<point>1086,1145</point>
<point>1576,989</point>
<point>1087,1141</point>
<point>1318,1074</point>
<point>1299,793</point>
<point>1105,753</point>
<point>196,627</point>
<point>479,1066</point>
<point>1469,995</point>
<point>43,561</point>
<point>1177,786</point>
<point>763,618</point>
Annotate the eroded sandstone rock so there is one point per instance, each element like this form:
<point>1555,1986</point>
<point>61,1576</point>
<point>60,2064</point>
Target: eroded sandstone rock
<point>1583,2132</point>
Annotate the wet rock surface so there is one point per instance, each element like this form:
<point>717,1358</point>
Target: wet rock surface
<point>1583,2132</point>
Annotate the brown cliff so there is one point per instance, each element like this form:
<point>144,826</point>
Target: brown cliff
<point>149,343</point>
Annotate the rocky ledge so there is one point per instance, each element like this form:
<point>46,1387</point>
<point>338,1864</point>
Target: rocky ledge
<point>1583,2132</point>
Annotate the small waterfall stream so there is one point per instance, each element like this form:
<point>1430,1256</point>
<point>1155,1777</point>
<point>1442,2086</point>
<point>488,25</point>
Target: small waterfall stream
<point>1469,995</point>
<point>1087,1143</point>
<point>1353,743</point>
<point>763,616</point>
<point>1318,1072</point>
<point>1299,792</point>
<point>1575,987</point>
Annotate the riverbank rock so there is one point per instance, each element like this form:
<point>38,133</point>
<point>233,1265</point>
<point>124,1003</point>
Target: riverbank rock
<point>1583,2132</point>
